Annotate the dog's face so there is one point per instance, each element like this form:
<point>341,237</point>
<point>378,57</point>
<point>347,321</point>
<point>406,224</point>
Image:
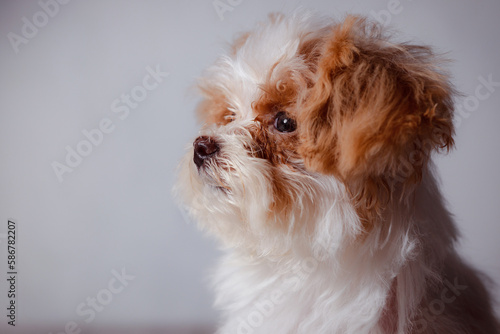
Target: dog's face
<point>311,129</point>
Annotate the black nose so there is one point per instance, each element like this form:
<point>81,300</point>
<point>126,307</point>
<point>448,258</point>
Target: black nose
<point>204,148</point>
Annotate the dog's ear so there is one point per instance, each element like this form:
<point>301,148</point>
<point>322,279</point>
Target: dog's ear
<point>377,109</point>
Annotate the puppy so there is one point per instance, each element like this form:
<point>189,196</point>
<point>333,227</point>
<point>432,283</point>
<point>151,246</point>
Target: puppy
<point>313,170</point>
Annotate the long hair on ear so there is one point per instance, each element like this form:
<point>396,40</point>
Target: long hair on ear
<point>375,113</point>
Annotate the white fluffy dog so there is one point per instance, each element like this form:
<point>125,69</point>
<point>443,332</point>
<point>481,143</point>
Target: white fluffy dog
<point>313,170</point>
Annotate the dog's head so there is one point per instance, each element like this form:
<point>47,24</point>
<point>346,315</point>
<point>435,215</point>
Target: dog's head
<point>311,128</point>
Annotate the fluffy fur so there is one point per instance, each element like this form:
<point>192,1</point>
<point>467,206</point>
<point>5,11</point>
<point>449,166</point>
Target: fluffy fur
<point>337,226</point>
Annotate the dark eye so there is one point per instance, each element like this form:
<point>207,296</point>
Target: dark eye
<point>283,123</point>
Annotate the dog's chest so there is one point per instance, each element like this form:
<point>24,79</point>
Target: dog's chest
<point>307,297</point>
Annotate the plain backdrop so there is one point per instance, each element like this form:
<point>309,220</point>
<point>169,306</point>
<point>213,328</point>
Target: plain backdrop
<point>114,210</point>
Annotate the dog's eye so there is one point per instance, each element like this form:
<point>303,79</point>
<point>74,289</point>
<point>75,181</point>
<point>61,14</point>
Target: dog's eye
<point>283,123</point>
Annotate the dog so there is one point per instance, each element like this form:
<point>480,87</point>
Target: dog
<point>313,169</point>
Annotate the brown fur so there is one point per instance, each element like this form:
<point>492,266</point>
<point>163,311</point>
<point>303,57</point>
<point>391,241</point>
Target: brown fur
<point>214,109</point>
<point>374,106</point>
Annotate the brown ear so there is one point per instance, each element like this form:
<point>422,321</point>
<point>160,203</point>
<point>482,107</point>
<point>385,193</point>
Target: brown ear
<point>377,110</point>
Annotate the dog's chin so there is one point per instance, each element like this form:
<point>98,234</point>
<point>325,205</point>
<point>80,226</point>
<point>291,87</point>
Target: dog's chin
<point>212,181</point>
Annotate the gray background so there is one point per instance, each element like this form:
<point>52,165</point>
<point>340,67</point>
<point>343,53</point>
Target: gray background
<point>115,210</point>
